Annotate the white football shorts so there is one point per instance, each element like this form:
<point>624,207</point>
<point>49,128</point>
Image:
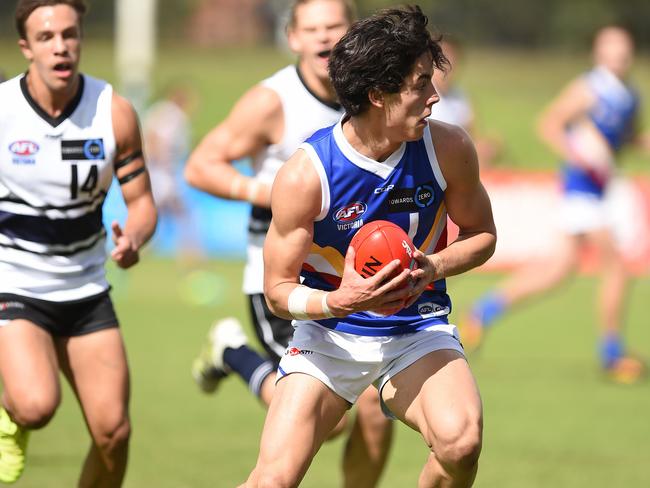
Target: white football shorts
<point>582,213</point>
<point>347,363</point>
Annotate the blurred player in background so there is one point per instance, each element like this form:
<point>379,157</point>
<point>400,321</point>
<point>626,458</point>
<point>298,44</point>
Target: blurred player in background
<point>455,107</point>
<point>586,125</point>
<point>63,137</point>
<point>167,135</point>
<point>268,124</point>
<point>166,130</point>
<point>385,160</point>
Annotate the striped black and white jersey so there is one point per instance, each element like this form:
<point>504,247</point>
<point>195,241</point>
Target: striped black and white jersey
<point>304,113</point>
<point>54,176</point>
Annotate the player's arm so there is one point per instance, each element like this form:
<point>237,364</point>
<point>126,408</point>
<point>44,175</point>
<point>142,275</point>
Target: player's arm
<point>571,105</point>
<point>256,121</point>
<point>296,203</point>
<point>468,205</point>
<point>134,182</point>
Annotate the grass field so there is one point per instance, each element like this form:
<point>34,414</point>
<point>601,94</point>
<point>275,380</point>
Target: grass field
<point>550,419</point>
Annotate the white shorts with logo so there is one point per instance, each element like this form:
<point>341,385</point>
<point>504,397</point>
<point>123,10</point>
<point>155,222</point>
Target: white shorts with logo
<point>347,363</point>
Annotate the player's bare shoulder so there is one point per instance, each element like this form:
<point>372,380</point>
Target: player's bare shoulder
<point>125,125</point>
<point>454,150</point>
<point>260,110</point>
<point>298,185</point>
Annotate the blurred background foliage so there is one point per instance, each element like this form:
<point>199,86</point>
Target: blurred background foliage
<point>516,23</point>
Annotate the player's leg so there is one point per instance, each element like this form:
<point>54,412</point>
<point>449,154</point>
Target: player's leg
<point>227,351</point>
<point>96,367</point>
<point>274,334</point>
<point>301,415</point>
<point>31,391</point>
<point>437,396</point>
<point>610,304</point>
<point>526,282</point>
<point>369,443</point>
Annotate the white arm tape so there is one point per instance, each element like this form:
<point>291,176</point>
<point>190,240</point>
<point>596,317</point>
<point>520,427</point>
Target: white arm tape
<point>253,190</point>
<point>298,302</point>
<point>326,309</point>
<point>235,186</point>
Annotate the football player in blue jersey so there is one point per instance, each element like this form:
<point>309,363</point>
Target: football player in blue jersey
<point>586,125</point>
<point>384,160</point>
<point>268,124</point>
<point>64,136</point>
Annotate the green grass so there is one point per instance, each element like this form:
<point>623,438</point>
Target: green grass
<point>550,419</point>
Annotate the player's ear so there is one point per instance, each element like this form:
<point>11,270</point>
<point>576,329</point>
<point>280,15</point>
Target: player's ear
<point>26,50</point>
<point>293,41</point>
<point>376,97</point>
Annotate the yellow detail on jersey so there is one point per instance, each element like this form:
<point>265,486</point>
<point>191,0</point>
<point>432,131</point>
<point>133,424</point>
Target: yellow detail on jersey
<point>332,257</point>
<point>437,227</point>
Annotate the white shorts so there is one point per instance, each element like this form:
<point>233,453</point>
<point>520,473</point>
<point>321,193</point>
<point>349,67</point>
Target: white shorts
<point>347,363</point>
<point>581,213</point>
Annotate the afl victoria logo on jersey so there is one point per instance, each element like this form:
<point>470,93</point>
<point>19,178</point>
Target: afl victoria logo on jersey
<point>23,152</point>
<point>349,216</point>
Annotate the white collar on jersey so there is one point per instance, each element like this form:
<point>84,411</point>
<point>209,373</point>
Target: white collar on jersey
<point>383,169</point>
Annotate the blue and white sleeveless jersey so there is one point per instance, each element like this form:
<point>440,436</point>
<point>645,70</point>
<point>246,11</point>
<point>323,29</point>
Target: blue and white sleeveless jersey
<point>54,176</point>
<point>406,189</point>
<point>613,114</point>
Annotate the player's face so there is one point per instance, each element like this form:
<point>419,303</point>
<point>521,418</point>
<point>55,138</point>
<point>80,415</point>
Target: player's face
<point>614,49</point>
<point>53,45</point>
<point>407,111</point>
<point>318,27</point>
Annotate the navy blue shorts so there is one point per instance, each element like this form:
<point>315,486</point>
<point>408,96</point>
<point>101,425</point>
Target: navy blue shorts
<point>61,319</point>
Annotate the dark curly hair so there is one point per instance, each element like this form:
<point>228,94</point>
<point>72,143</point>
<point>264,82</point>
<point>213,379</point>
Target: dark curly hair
<point>378,52</point>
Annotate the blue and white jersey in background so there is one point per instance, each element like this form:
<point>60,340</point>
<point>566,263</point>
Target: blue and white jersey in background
<point>406,189</point>
<point>54,175</point>
<point>613,116</point>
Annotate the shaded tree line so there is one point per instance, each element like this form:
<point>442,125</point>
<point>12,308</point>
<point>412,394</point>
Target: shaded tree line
<point>521,23</point>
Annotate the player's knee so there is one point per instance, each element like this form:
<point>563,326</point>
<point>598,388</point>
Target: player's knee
<point>458,449</point>
<point>34,410</point>
<point>112,433</point>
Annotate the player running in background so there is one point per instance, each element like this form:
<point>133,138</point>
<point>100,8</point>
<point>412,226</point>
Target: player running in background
<point>268,124</point>
<point>455,107</point>
<point>63,136</point>
<point>586,125</point>
<point>385,161</point>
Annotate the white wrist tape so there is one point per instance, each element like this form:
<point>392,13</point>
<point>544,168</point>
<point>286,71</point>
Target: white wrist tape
<point>235,186</point>
<point>298,302</point>
<point>252,191</point>
<point>326,309</point>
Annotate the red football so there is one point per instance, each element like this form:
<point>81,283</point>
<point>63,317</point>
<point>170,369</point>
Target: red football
<point>378,243</point>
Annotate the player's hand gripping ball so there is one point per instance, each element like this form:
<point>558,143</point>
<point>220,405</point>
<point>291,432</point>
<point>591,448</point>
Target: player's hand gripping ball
<point>378,243</point>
